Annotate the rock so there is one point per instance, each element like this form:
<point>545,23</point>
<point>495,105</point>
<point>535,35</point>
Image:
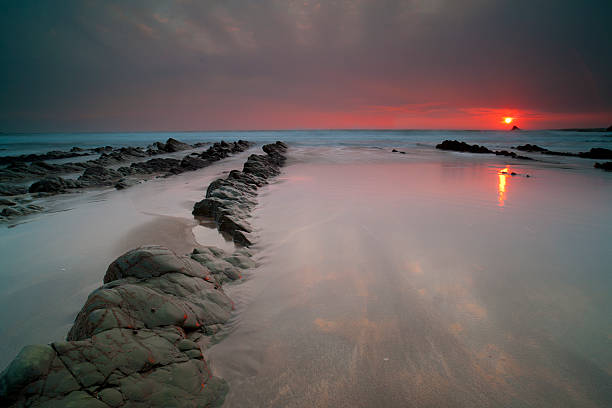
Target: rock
<point>394,151</point>
<point>53,184</point>
<point>18,210</point>
<point>515,128</point>
<point>607,166</point>
<point>12,190</point>
<point>531,148</point>
<point>7,202</point>
<point>458,146</point>
<point>597,153</point>
<point>99,175</point>
<point>76,149</point>
<point>137,341</point>
<point>609,129</point>
<point>124,183</point>
<point>52,155</point>
<point>173,145</point>
<point>229,201</point>
<point>103,149</point>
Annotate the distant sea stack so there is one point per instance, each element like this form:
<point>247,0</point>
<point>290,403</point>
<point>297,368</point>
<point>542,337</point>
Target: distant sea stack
<point>515,128</point>
<point>609,129</point>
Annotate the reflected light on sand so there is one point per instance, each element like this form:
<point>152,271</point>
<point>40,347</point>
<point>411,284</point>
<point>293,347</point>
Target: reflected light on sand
<point>501,186</point>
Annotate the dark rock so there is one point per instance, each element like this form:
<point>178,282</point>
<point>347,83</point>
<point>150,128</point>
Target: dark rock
<point>515,128</point>
<point>103,149</point>
<point>531,148</point>
<point>12,190</point>
<point>76,149</point>
<point>99,175</point>
<point>597,153</point>
<point>124,183</point>
<point>394,151</point>
<point>6,202</point>
<point>458,146</point>
<point>52,155</point>
<point>609,129</point>
<point>173,145</point>
<point>53,184</point>
<point>607,166</point>
<point>18,210</point>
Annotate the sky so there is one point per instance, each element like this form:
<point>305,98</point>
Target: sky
<point>91,65</point>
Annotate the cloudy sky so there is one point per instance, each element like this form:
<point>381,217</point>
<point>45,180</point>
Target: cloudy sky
<point>91,65</point>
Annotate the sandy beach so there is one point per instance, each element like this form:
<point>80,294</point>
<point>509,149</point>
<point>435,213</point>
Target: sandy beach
<point>428,278</point>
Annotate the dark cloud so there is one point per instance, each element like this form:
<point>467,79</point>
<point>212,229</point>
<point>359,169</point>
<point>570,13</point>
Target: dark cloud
<point>111,65</point>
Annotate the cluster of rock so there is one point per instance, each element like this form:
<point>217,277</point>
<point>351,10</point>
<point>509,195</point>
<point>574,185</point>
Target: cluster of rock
<point>97,173</point>
<point>594,153</point>
<point>139,339</point>
<point>18,170</point>
<point>52,155</point>
<point>457,146</point>
<point>230,200</point>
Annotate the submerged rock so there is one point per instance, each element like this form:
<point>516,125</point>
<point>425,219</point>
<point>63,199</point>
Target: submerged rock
<point>139,339</point>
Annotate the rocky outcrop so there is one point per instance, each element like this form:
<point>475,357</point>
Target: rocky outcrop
<point>12,190</point>
<point>54,185</point>
<point>20,210</point>
<point>595,153</point>
<point>514,128</point>
<point>457,146</point>
<point>194,161</point>
<point>18,169</point>
<point>99,176</point>
<point>229,201</point>
<point>609,129</point>
<point>171,146</point>
<point>138,341</point>
<point>52,155</point>
<point>607,166</point>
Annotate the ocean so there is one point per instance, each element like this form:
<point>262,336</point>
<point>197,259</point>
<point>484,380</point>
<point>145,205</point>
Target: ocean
<point>13,144</point>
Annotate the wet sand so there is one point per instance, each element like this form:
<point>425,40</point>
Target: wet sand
<point>436,281</point>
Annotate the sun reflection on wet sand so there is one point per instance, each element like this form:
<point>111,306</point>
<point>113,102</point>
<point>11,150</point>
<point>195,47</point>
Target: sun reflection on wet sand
<point>501,186</point>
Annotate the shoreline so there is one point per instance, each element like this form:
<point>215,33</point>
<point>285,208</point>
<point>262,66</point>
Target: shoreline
<point>285,212</point>
<point>117,348</point>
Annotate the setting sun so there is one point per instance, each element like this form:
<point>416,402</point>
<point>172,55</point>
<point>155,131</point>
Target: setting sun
<point>508,120</point>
